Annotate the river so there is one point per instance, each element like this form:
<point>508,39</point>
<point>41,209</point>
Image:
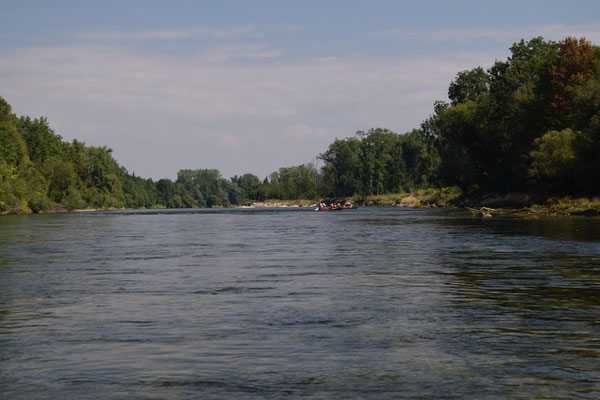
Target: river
<point>379,303</point>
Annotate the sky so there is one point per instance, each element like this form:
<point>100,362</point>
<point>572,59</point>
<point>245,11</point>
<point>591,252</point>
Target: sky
<point>252,86</point>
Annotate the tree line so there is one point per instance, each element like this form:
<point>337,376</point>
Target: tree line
<point>39,171</point>
<point>530,123</point>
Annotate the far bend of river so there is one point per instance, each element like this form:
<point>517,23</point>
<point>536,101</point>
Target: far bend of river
<point>379,303</point>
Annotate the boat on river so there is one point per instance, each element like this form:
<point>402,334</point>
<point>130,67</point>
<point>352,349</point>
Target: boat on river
<point>335,207</point>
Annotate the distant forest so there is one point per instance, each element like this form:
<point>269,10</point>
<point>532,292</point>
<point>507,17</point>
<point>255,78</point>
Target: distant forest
<point>528,124</point>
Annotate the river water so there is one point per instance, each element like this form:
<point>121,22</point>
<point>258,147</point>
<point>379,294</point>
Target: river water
<point>379,303</point>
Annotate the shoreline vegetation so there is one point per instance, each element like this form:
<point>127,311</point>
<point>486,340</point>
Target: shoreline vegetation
<point>507,206</point>
<point>519,139</point>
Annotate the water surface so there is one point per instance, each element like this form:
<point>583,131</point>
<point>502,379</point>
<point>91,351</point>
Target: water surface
<point>370,303</point>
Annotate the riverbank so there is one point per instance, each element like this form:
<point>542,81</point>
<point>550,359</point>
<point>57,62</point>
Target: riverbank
<point>280,203</point>
<point>422,198</point>
<point>512,205</point>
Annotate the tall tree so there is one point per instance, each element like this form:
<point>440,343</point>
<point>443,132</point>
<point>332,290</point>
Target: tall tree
<point>572,67</point>
<point>468,85</point>
<point>341,167</point>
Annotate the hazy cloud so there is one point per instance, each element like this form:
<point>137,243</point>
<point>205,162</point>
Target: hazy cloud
<point>171,34</point>
<point>208,110</point>
<point>304,131</point>
<point>550,32</point>
<point>229,141</point>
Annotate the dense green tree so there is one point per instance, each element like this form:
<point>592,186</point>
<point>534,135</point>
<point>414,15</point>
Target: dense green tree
<point>166,191</point>
<point>374,155</point>
<point>41,140</point>
<point>342,166</point>
<point>139,192</point>
<point>13,150</point>
<point>60,176</point>
<point>207,187</point>
<point>249,185</point>
<point>22,188</point>
<point>486,140</point>
<point>587,121</point>
<point>380,161</point>
<point>468,85</point>
<point>421,160</point>
<point>553,161</point>
<point>511,117</point>
<point>457,145</point>
<point>292,183</point>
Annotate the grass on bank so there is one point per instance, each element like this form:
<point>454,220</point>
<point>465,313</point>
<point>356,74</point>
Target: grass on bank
<point>517,205</point>
<point>444,197</point>
<point>573,206</point>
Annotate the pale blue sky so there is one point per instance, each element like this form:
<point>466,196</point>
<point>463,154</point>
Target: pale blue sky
<point>251,86</point>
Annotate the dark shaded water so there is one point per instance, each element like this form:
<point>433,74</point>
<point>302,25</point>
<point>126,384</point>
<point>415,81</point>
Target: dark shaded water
<point>368,303</point>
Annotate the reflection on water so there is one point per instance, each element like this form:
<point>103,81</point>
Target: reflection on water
<point>369,303</point>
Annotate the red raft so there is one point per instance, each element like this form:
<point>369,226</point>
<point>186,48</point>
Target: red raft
<point>335,207</point>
